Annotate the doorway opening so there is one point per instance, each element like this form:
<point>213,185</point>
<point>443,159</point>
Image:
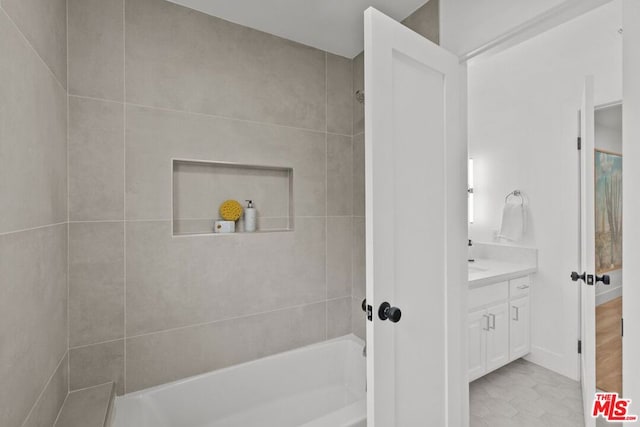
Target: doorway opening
<point>608,224</point>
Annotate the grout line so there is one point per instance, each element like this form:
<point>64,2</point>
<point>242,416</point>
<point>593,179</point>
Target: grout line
<point>91,386</point>
<point>124,192</point>
<point>2,10</point>
<point>216,116</point>
<point>55,370</point>
<point>93,98</point>
<point>68,216</point>
<point>60,410</point>
<point>79,347</point>
<point>99,221</point>
<point>326,195</point>
<point>339,134</point>
<point>6,233</point>
<point>245,316</point>
<point>180,219</point>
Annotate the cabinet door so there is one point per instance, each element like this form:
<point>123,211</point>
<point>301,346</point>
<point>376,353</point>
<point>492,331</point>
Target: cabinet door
<point>477,325</point>
<point>498,336</point>
<point>520,332</point>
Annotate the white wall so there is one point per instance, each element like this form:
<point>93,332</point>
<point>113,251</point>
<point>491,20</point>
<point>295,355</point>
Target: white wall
<point>469,24</point>
<point>523,122</point>
<point>609,139</point>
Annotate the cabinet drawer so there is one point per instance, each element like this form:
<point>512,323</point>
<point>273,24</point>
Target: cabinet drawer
<point>488,294</point>
<point>519,287</point>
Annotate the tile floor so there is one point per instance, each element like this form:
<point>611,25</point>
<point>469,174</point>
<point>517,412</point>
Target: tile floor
<point>522,394</point>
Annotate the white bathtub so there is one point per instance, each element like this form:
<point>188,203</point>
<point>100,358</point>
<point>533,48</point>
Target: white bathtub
<point>322,385</point>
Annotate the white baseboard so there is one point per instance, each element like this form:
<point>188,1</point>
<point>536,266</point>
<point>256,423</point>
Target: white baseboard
<point>555,362</point>
<point>608,295</point>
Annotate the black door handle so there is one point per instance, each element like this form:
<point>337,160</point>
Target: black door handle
<point>604,279</point>
<point>575,276</point>
<point>387,312</point>
<point>364,305</point>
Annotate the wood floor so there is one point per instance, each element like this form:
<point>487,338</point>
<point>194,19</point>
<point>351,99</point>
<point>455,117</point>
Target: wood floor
<point>609,346</point>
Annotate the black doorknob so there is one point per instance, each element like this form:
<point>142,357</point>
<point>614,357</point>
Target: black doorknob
<point>387,312</point>
<point>604,279</point>
<point>364,305</point>
<point>575,276</point>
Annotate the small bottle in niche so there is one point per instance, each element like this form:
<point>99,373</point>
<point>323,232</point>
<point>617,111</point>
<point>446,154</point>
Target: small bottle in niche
<point>250,217</point>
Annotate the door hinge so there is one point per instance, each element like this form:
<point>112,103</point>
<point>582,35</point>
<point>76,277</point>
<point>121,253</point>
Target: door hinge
<point>622,327</point>
<point>579,143</point>
<point>579,346</point>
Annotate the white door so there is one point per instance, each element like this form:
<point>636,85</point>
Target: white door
<point>477,328</point>
<point>415,159</point>
<point>498,336</point>
<point>520,328</point>
<point>587,252</point>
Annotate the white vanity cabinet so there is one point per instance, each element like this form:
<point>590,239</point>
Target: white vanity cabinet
<point>498,325</point>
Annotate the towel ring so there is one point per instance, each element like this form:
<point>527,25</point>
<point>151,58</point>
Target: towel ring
<point>514,193</point>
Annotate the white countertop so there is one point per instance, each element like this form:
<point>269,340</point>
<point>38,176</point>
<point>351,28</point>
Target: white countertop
<point>486,271</point>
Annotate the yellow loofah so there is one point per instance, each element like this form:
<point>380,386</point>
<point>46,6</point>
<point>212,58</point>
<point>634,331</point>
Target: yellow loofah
<point>231,210</point>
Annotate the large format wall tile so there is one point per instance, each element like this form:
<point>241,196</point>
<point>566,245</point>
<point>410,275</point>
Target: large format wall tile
<point>33,137</point>
<point>339,247</point>
<point>96,282</point>
<point>358,176</point>
<point>166,356</point>
<point>358,85</point>
<point>154,137</point>
<point>358,318</point>
<point>338,317</point>
<point>426,21</point>
<point>359,262</point>
<point>339,95</point>
<point>44,24</point>
<point>96,48</point>
<point>46,410</point>
<point>97,364</point>
<point>180,281</point>
<point>33,316</point>
<point>96,160</point>
<point>339,175</point>
<point>185,60</point>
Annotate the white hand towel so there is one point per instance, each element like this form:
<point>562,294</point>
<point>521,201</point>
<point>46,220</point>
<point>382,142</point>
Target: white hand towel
<point>512,226</point>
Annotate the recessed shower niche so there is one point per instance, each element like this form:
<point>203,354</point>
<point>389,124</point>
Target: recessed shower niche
<point>200,186</point>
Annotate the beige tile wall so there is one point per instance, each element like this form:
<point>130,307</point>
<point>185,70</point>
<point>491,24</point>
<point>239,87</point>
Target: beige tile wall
<point>146,307</point>
<point>425,21</point>
<point>33,212</point>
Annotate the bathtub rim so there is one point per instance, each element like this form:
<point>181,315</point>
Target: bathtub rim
<point>349,337</point>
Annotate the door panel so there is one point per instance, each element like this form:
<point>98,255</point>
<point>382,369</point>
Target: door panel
<point>587,256</point>
<point>498,336</point>
<point>477,327</point>
<point>416,229</point>
<point>520,328</point>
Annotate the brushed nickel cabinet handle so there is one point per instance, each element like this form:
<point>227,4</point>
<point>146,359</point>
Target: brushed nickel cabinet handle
<point>493,321</point>
<point>517,318</point>
<point>487,318</point>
